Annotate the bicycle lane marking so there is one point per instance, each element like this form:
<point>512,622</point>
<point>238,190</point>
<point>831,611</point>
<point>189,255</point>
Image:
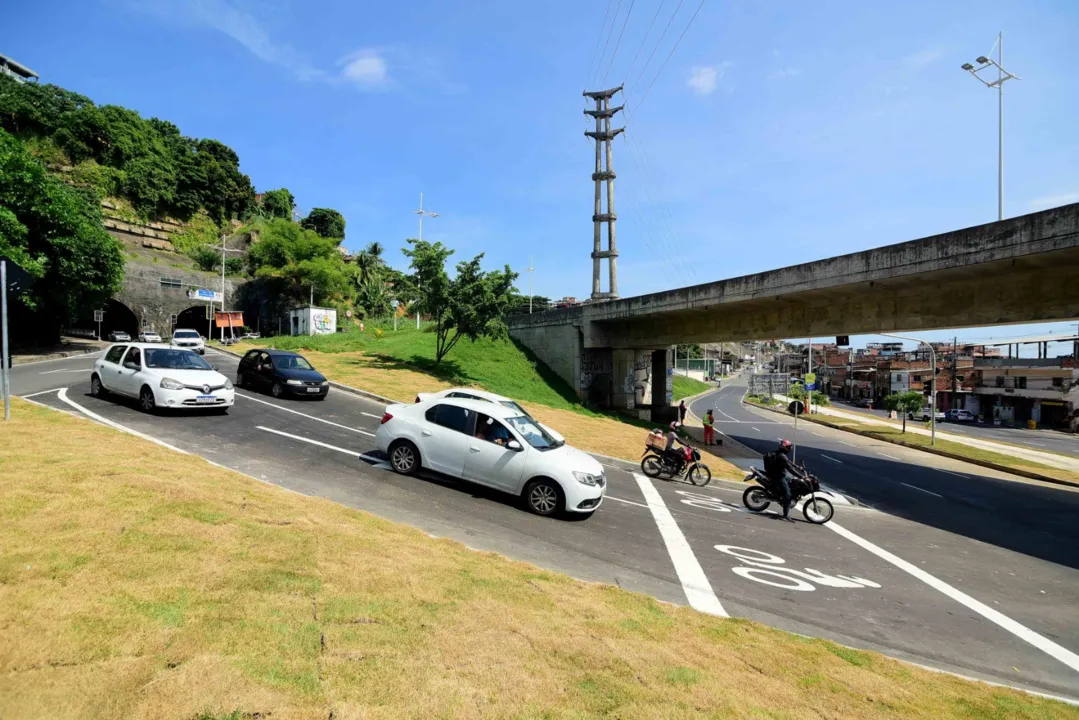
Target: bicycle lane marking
<point>1024,633</point>
<point>691,575</point>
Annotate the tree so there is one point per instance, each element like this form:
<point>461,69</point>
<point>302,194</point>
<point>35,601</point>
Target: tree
<point>326,222</point>
<point>279,203</point>
<point>206,258</point>
<point>470,305</point>
<point>56,235</point>
<point>374,299</point>
<point>370,263</point>
<point>910,401</point>
<point>290,260</point>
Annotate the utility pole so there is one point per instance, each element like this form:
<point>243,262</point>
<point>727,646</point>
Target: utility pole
<point>421,212</point>
<point>223,251</point>
<point>955,369</point>
<point>5,368</point>
<point>530,269</point>
<point>603,135</point>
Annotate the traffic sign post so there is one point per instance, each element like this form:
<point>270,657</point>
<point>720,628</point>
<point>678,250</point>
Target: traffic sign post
<point>99,315</point>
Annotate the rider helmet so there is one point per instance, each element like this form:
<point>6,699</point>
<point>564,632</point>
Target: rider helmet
<point>785,446</point>
<point>674,425</point>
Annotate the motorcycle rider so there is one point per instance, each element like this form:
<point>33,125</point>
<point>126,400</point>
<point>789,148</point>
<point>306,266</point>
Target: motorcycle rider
<point>670,452</point>
<point>778,474</point>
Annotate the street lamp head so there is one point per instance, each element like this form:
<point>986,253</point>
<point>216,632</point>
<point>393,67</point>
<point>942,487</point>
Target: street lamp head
<point>968,67</point>
<point>982,59</point>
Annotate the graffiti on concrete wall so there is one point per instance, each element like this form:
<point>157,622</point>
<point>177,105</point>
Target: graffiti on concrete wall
<point>642,379</point>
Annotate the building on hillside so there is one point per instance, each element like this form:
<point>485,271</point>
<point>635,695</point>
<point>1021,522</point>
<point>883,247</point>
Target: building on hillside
<point>16,70</point>
<point>1014,390</point>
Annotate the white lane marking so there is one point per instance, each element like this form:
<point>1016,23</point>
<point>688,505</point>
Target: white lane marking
<point>309,417</point>
<point>726,415</point>
<point>41,392</point>
<point>353,453</point>
<point>370,415</point>
<point>118,426</point>
<point>1021,631</point>
<point>915,487</point>
<point>844,442</point>
<point>68,370</point>
<point>1031,442</point>
<point>80,356</point>
<point>627,502</point>
<point>965,477</point>
<point>829,457</point>
<point>695,584</point>
<point>890,457</point>
<point>756,428</point>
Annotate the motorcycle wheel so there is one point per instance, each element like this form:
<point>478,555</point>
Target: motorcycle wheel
<point>652,466</point>
<point>818,510</point>
<point>755,498</point>
<point>700,474</point>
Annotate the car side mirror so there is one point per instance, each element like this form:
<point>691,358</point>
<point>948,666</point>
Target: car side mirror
<point>214,368</point>
<point>514,446</point>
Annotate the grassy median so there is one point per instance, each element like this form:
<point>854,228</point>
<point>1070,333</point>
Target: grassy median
<point>139,583</point>
<point>398,365</point>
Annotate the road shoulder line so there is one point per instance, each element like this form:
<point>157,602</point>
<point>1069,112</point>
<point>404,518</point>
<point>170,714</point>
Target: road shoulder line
<point>691,575</point>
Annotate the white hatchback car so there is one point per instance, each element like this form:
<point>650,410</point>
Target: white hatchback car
<point>189,340</point>
<point>161,378</point>
<point>492,445</point>
<point>474,394</point>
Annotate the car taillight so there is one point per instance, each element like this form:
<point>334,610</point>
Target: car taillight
<point>386,418</point>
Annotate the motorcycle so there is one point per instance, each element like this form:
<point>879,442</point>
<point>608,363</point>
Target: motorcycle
<point>817,510</point>
<point>654,463</point>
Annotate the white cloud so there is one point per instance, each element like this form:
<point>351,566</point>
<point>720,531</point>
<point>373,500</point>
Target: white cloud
<point>785,73</point>
<point>704,79</point>
<point>923,58</point>
<point>1051,201</point>
<point>366,68</point>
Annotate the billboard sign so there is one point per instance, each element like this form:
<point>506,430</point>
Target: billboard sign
<point>206,295</point>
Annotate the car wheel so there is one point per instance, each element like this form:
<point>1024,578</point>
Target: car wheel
<point>240,379</point>
<point>543,497</point>
<point>277,390</point>
<point>96,388</point>
<point>404,457</point>
<point>146,400</point>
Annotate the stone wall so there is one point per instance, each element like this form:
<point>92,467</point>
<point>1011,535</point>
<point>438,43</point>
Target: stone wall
<point>155,294</point>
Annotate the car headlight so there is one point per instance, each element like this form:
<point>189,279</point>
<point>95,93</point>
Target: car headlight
<point>294,382</point>
<point>325,383</point>
<point>170,384</point>
<point>587,478</point>
<point>228,384</point>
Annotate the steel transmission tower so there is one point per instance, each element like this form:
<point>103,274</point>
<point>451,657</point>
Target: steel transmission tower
<point>603,135</point>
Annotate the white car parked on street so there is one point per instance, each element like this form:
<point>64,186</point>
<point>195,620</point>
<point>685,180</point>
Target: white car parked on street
<point>161,378</point>
<point>149,336</point>
<point>473,394</point>
<point>493,445</point>
<point>189,340</point>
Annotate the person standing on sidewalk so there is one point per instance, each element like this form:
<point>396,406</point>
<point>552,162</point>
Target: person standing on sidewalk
<point>709,428</point>
<point>682,413</point>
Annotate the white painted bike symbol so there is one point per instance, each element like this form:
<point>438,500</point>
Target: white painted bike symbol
<point>766,568</point>
<point>705,502</point>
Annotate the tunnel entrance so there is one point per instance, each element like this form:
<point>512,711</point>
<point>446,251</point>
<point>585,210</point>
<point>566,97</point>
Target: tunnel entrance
<point>194,318</point>
<point>117,317</point>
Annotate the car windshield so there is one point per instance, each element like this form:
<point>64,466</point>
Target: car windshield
<point>515,407</point>
<point>292,362</point>
<point>175,360</point>
<point>186,334</point>
<point>533,433</point>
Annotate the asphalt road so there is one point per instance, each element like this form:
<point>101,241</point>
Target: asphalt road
<point>948,565</point>
<point>1044,440</point>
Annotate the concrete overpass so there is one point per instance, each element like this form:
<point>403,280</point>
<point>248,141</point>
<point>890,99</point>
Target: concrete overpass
<point>1025,269</point>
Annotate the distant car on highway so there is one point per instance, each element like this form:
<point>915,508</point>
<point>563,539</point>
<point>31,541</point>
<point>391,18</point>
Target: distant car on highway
<point>960,416</point>
<point>281,373</point>
<point>189,340</point>
<point>863,403</point>
<point>493,445</point>
<point>161,378</point>
<point>149,336</point>
<point>119,336</point>
<point>924,415</point>
<point>484,396</point>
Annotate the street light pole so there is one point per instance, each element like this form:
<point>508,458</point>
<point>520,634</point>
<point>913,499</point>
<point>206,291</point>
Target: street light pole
<point>1002,77</point>
<point>421,212</point>
<point>223,251</point>
<point>932,383</point>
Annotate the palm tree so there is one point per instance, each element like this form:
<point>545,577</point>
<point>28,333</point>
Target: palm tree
<point>373,297</point>
<point>370,263</point>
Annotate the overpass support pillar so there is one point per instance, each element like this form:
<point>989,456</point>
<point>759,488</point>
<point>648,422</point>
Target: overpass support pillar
<point>641,383</point>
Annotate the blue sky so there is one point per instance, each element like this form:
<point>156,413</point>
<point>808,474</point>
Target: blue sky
<point>777,133</point>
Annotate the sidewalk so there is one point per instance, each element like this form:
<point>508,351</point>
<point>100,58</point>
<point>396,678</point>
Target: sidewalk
<point>1053,460</point>
<point>68,347</point>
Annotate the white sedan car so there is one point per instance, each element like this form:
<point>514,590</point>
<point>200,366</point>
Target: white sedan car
<point>492,445</point>
<point>161,378</point>
<point>473,394</point>
<point>189,340</point>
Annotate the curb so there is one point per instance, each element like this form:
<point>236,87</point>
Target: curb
<point>934,451</point>
<point>15,360</point>
<point>333,384</point>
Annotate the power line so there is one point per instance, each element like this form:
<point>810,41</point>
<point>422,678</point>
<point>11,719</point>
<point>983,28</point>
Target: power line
<point>658,43</point>
<point>619,41</point>
<point>645,38</point>
<point>598,39</point>
<point>669,55</point>
<point>608,42</point>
